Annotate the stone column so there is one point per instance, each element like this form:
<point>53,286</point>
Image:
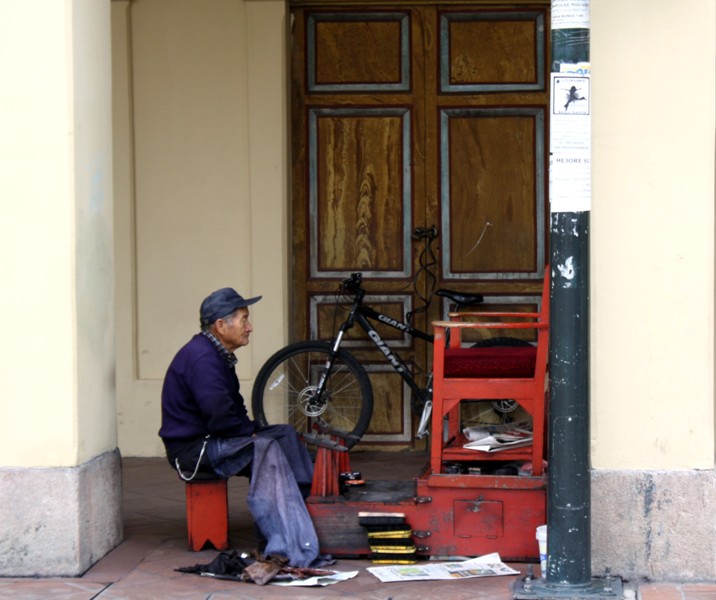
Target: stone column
<point>60,476</point>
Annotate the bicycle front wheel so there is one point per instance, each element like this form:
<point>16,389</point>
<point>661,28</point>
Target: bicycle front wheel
<point>290,378</point>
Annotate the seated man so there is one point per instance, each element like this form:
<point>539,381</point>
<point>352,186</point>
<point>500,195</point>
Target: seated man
<point>205,427</point>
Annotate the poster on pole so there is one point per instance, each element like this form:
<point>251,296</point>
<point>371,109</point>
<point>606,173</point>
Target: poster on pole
<point>570,186</point>
<point>570,14</point>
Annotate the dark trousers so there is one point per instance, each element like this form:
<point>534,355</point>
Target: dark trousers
<point>280,466</point>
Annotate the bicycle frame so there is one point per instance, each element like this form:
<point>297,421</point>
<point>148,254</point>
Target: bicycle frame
<point>362,315</point>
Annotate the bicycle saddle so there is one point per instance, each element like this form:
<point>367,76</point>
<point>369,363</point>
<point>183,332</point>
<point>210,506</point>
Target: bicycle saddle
<point>459,298</point>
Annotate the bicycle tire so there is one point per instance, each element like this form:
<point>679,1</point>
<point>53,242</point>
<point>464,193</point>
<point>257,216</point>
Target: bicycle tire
<point>288,379</point>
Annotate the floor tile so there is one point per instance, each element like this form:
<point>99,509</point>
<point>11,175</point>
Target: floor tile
<point>42,589</point>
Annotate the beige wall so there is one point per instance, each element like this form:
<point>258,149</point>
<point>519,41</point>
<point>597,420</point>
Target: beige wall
<point>653,234</point>
<point>207,105</point>
<point>94,230</point>
<point>57,359</point>
<point>196,210</point>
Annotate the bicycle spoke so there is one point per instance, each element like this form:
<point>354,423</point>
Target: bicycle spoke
<point>341,409</point>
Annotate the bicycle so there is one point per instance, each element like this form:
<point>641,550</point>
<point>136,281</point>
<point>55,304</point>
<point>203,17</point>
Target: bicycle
<point>328,392</point>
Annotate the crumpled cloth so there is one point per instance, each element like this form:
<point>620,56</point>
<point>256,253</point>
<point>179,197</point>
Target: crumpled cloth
<point>257,569</point>
<point>231,564</point>
<point>280,464</point>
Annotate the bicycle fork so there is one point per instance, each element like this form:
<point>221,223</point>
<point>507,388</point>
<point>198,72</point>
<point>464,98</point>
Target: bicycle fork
<point>328,367</point>
<point>427,411</point>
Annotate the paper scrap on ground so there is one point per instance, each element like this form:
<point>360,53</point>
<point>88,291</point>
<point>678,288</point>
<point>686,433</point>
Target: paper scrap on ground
<point>319,580</point>
<point>489,565</point>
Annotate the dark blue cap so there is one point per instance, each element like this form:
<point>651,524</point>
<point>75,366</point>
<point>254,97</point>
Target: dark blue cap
<point>221,303</point>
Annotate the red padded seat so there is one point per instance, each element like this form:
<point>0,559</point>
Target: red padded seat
<point>495,361</point>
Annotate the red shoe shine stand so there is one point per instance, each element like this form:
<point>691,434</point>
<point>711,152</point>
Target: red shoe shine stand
<point>450,515</point>
<point>456,514</point>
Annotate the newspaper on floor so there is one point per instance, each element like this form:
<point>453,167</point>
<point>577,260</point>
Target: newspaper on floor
<point>489,565</point>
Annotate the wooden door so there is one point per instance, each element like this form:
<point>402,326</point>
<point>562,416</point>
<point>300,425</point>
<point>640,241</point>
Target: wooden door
<point>406,116</point>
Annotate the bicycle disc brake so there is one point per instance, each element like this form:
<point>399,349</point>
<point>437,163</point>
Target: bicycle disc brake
<point>309,404</point>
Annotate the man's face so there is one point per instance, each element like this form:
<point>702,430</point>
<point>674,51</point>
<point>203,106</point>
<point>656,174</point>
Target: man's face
<point>233,332</point>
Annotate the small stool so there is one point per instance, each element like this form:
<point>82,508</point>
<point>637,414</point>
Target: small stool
<point>207,512</point>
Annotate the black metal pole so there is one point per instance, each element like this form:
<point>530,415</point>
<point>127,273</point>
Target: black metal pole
<point>568,497</point>
<point>569,569</point>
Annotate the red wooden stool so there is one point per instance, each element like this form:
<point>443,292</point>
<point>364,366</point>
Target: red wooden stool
<point>207,513</point>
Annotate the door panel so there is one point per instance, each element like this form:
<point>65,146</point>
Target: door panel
<point>391,420</point>
<point>489,172</point>
<point>408,116</point>
<point>359,198</point>
<point>483,51</point>
<point>327,315</point>
<point>357,51</point>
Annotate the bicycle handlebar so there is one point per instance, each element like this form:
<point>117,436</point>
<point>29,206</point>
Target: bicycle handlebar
<point>353,284</point>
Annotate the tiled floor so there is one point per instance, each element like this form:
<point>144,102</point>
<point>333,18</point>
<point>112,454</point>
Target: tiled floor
<point>143,566</point>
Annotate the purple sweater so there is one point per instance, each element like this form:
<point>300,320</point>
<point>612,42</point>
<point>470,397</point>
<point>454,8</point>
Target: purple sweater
<point>201,396</point>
